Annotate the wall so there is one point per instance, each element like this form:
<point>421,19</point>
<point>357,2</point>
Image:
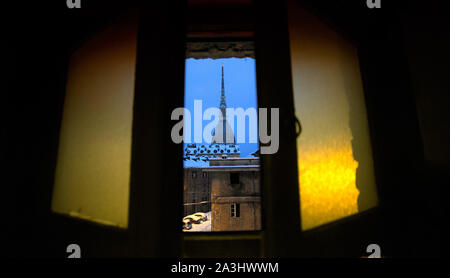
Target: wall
<point>249,220</point>
<point>250,208</point>
<point>426,40</point>
<point>195,189</point>
<point>220,184</point>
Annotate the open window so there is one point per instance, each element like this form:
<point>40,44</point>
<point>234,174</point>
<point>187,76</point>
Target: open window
<point>234,178</point>
<point>249,204</point>
<point>219,118</point>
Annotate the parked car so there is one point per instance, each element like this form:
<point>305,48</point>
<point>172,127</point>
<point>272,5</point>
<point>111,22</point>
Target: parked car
<point>203,215</point>
<point>187,225</point>
<point>194,219</point>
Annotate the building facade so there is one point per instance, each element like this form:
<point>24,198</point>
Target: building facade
<point>197,191</point>
<point>235,194</point>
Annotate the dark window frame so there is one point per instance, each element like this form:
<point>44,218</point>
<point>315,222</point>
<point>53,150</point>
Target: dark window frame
<point>234,178</point>
<point>282,235</point>
<point>235,210</point>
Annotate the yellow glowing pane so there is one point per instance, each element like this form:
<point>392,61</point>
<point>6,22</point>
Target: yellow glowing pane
<point>327,179</point>
<point>336,175</point>
<point>93,169</point>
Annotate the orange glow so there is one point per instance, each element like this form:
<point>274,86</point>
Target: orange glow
<point>328,191</point>
<point>336,175</point>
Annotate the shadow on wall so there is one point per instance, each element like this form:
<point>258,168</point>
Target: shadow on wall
<point>358,124</point>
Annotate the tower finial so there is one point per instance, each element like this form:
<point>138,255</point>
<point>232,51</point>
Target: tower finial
<point>223,104</point>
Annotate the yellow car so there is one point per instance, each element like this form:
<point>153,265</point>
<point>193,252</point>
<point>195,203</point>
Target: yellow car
<point>193,218</point>
<point>203,215</point>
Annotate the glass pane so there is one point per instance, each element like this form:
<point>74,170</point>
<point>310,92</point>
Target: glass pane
<point>336,175</point>
<point>93,168</point>
<point>226,189</point>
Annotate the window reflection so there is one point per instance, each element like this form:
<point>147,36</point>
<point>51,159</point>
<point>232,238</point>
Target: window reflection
<point>336,175</point>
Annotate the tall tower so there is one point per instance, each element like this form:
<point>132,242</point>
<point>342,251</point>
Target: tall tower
<point>223,143</point>
<point>223,104</point>
<point>223,133</point>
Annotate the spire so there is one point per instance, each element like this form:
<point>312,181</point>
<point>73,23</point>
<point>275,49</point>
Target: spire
<point>223,105</point>
<point>223,133</point>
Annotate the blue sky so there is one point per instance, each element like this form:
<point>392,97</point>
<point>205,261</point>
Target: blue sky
<point>203,82</point>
